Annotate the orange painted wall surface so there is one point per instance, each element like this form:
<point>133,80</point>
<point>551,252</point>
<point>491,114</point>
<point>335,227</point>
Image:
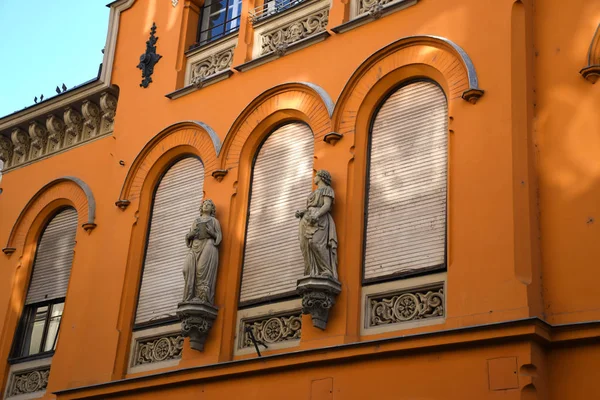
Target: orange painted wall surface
<point>523,214</point>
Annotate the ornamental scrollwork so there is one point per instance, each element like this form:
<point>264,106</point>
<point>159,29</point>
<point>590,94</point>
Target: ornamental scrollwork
<point>74,126</point>
<point>21,144</point>
<point>215,63</point>
<point>29,381</point>
<point>6,150</point>
<point>271,329</point>
<point>91,119</point>
<point>56,133</point>
<point>39,139</point>
<point>108,105</point>
<point>158,349</point>
<point>406,306</point>
<point>373,7</point>
<point>279,39</point>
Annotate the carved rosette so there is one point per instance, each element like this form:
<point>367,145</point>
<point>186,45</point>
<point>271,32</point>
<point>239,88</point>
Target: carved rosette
<point>21,145</point>
<point>215,63</point>
<point>29,381</point>
<point>91,119</point>
<point>74,126</point>
<point>56,133</point>
<point>108,105</point>
<point>279,39</point>
<point>318,297</point>
<point>197,318</point>
<point>158,349</point>
<point>406,306</point>
<point>271,329</point>
<point>39,139</point>
<point>6,150</point>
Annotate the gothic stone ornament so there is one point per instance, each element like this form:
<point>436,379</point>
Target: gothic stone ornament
<point>197,312</point>
<point>197,317</point>
<point>149,59</point>
<point>318,296</point>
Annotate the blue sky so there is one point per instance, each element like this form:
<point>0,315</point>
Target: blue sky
<point>44,44</point>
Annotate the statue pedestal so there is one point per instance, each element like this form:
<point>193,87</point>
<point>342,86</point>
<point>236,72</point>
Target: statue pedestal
<point>318,296</point>
<point>197,318</point>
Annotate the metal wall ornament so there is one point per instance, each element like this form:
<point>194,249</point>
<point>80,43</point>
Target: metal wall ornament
<point>149,59</point>
<point>318,242</point>
<point>197,311</point>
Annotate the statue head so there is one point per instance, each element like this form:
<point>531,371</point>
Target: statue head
<point>325,176</point>
<point>208,207</point>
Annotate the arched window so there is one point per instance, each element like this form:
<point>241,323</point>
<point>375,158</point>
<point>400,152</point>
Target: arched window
<point>407,184</point>
<point>281,182</point>
<point>44,304</point>
<point>176,203</point>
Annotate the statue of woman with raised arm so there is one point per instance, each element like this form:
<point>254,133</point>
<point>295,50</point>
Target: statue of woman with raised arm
<point>202,260</point>
<point>318,238</point>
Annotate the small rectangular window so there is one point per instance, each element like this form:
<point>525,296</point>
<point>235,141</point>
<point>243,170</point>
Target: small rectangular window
<point>39,329</point>
<point>218,18</point>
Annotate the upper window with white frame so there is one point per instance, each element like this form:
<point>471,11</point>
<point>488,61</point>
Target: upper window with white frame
<point>218,18</point>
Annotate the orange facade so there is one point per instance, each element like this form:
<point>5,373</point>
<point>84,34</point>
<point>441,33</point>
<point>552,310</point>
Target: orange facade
<point>523,195</point>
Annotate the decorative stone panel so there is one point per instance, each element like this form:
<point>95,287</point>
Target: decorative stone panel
<point>277,40</point>
<point>28,382</point>
<point>157,349</point>
<point>270,329</point>
<point>406,305</point>
<point>210,65</point>
<point>403,304</point>
<point>59,130</point>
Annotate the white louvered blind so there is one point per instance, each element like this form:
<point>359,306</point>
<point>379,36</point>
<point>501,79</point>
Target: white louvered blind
<point>53,259</point>
<point>406,221</point>
<point>281,182</point>
<point>176,205</point>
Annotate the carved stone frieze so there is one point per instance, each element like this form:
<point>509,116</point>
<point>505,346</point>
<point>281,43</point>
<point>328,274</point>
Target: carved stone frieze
<point>6,150</point>
<point>28,381</point>
<point>406,305</point>
<point>39,139</point>
<point>91,119</point>
<point>279,39</point>
<point>56,133</point>
<point>373,7</point>
<point>74,126</point>
<point>157,349</point>
<point>21,144</point>
<point>211,65</point>
<point>59,129</point>
<point>271,329</point>
<point>108,105</point>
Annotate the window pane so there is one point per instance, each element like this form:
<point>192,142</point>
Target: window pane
<point>233,14</point>
<point>37,330</point>
<point>55,317</point>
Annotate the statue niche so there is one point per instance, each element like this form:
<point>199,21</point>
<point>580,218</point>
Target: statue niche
<point>197,311</point>
<point>318,243</point>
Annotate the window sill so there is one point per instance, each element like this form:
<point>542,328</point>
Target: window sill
<point>39,356</point>
<point>209,80</point>
<point>192,51</point>
<point>319,37</point>
<point>373,15</point>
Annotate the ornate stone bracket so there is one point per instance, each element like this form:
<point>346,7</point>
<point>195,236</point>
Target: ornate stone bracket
<point>197,317</point>
<point>318,296</point>
<point>9,250</point>
<point>122,204</point>
<point>219,174</point>
<point>472,95</point>
<point>149,59</point>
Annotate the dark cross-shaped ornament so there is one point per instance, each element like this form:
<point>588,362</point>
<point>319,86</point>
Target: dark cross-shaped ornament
<point>149,58</point>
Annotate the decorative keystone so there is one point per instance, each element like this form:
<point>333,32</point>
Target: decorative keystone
<point>88,227</point>
<point>332,138</point>
<point>219,174</point>
<point>122,204</point>
<point>318,296</point>
<point>472,95</point>
<point>197,317</point>
<point>591,73</point>
<point>9,250</point>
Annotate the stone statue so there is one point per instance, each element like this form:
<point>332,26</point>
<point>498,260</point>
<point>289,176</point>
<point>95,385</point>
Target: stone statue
<point>202,260</point>
<point>197,311</point>
<point>318,238</point>
<point>318,243</point>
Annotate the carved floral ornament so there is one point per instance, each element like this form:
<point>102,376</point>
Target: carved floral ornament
<point>211,65</point>
<point>58,131</point>
<point>157,349</point>
<point>270,329</point>
<point>405,306</point>
<point>278,40</point>
<point>28,381</point>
